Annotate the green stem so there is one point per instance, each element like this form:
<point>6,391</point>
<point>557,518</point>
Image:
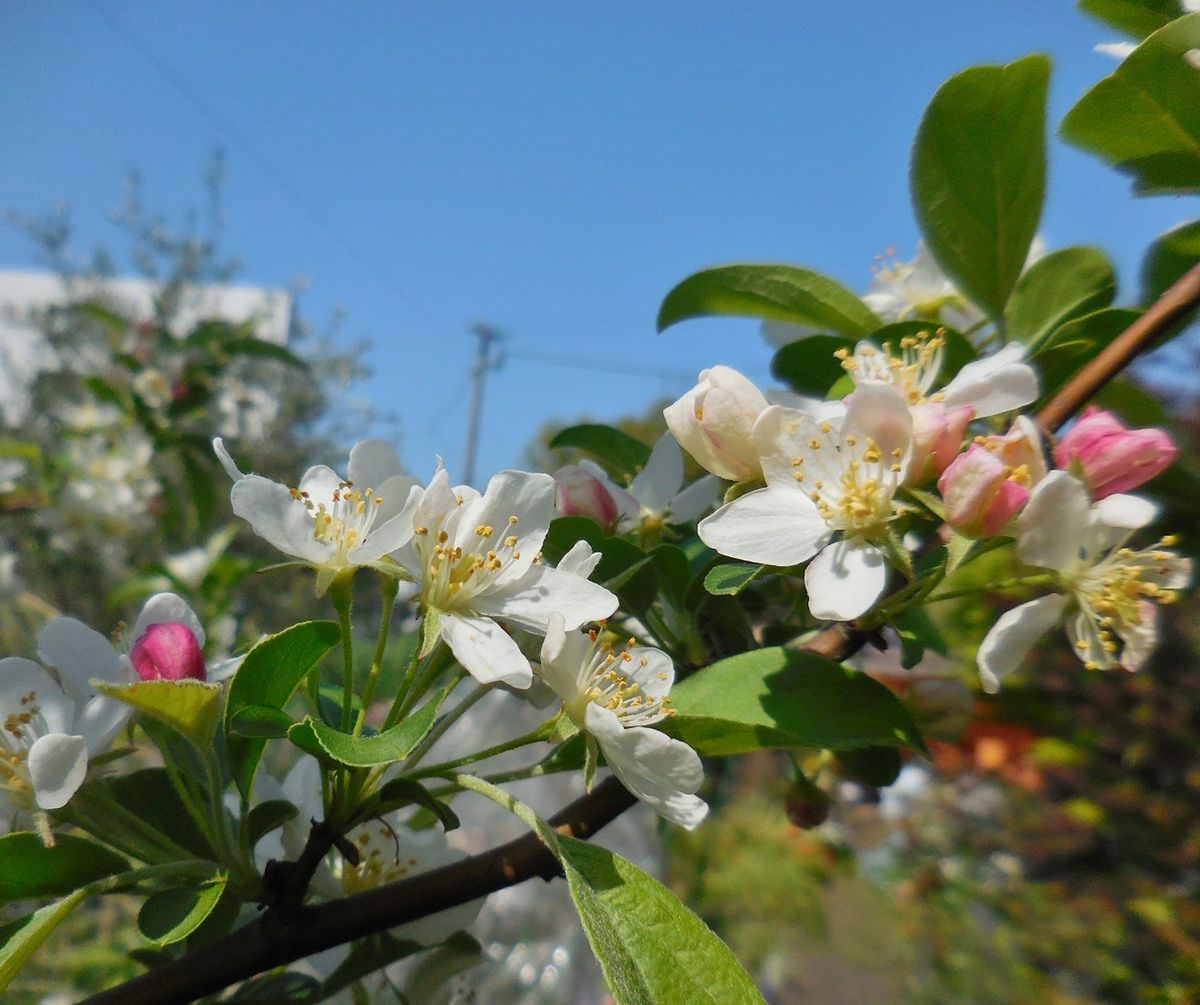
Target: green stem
<point>1042,579</point>
<point>341,602</point>
<point>188,867</point>
<point>390,587</point>
<point>435,663</point>
<point>520,810</point>
<point>444,724</point>
<point>537,736</point>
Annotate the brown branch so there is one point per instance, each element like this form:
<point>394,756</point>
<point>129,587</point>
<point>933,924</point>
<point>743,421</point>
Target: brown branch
<point>1182,298</point>
<point>283,935</point>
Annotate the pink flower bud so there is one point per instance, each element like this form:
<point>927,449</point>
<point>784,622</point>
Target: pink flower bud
<point>981,493</point>
<point>577,492</point>
<point>168,651</point>
<point>937,436</point>
<point>1110,457</point>
<point>714,422</point>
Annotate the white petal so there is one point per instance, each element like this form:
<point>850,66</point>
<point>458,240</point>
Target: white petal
<point>486,650</point>
<point>580,560</point>
<point>280,519</point>
<point>770,526</point>
<point>658,482</point>
<point>1125,512</point>
<point>390,535</point>
<point>372,463</point>
<point>20,678</point>
<point>1013,635</point>
<point>845,579</point>
<point>164,608</point>
<point>100,720</point>
<point>558,669</point>
<point>1118,50</point>
<point>782,434</point>
<point>1084,634</point>
<point>697,498</point>
<point>321,482</point>
<point>529,498</point>
<point>57,767</point>
<point>880,412</point>
<point>660,771</point>
<point>1050,530</point>
<point>79,653</point>
<point>529,600</point>
<point>994,384</point>
<point>226,460</point>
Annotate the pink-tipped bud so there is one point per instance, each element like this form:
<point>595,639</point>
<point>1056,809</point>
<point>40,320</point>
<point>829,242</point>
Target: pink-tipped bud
<point>1110,457</point>
<point>937,435</point>
<point>714,422</point>
<point>577,492</point>
<point>168,651</point>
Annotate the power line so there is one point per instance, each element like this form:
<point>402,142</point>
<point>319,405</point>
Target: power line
<point>600,366</point>
<point>180,85</point>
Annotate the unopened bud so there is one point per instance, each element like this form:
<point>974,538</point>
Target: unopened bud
<point>714,421</point>
<point>168,651</point>
<point>1110,457</point>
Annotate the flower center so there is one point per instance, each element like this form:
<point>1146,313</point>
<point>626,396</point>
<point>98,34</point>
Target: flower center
<point>913,372</point>
<point>346,520</point>
<point>453,573</point>
<point>606,681</point>
<point>15,740</point>
<point>376,865</point>
<point>859,500</point>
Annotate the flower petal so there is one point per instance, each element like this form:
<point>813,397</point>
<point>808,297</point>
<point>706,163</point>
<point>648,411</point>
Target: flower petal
<point>78,653</point>
<point>845,579</point>
<point>278,518</point>
<point>162,609</point>
<point>994,384</point>
<point>57,767</point>
<point>1013,635</point>
<point>226,459</point>
<point>660,771</point>
<point>373,462</point>
<point>880,412</point>
<point>697,498</point>
<point>517,504</point>
<point>20,678</point>
<point>658,482</point>
<point>580,560</point>
<point>485,650</point>
<point>770,526</point>
<point>528,601</point>
<point>1050,530</point>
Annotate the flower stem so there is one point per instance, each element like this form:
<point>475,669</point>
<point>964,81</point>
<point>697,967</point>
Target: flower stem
<point>390,587</point>
<point>537,736</point>
<point>520,810</point>
<point>341,594</point>
<point>444,724</point>
<point>1042,579</point>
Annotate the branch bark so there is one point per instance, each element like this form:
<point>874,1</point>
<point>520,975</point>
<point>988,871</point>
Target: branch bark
<point>283,935</point>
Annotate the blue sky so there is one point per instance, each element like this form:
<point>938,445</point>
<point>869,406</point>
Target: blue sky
<point>551,168</point>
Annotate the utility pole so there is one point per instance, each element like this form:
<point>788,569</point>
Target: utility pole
<point>485,359</point>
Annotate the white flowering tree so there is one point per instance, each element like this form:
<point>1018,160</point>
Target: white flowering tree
<point>657,624</point>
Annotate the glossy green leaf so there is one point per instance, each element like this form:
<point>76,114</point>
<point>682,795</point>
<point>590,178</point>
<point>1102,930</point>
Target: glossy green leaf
<point>652,949</point>
<point>190,707</point>
<point>149,794</point>
<point>172,915</point>
<point>1136,18</point>
<point>20,939</point>
<point>565,532</point>
<point>979,175</point>
<point>29,869</point>
<point>621,453</point>
<point>401,792</point>
<point>266,817</point>
<point>392,745</point>
<point>809,365</point>
<point>1168,258</point>
<point>731,578</point>
<point>1064,285</point>
<point>771,292</point>
<point>1076,342</point>
<point>260,721</point>
<point>267,678</point>
<point>1144,118</point>
<point>779,697</point>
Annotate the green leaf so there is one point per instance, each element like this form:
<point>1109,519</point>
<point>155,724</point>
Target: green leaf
<point>29,869</point>
<point>190,707</point>
<point>1144,118</point>
<point>877,766</point>
<point>392,745</point>
<point>629,572</point>
<point>652,949</point>
<point>1075,343</point>
<point>409,792</point>
<point>20,939</point>
<point>979,175</point>
<point>1136,18</point>
<point>1173,254</point>
<point>1064,285</point>
<point>771,292</point>
<point>809,366</point>
<point>565,532</point>
<point>917,632</point>
<point>150,795</point>
<point>431,631</point>
<point>266,817</point>
<point>365,957</point>
<point>621,453</point>
<point>732,578</point>
<point>172,915</point>
<point>260,721</point>
<point>267,678</point>
<point>779,697</point>
<point>262,349</point>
